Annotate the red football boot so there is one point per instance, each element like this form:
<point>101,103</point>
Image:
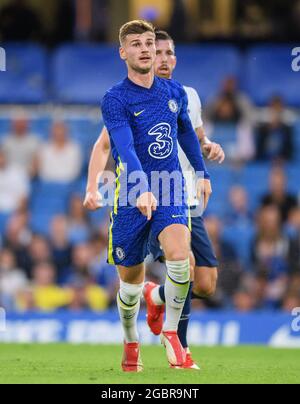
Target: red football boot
<point>175,353</point>
<point>189,362</point>
<point>131,358</point>
<point>155,313</point>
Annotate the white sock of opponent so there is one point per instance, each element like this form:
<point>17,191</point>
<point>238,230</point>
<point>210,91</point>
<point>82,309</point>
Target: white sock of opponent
<point>129,298</point>
<point>176,290</point>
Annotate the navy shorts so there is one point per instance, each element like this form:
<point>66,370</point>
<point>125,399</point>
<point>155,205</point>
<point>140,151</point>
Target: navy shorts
<point>129,232</point>
<point>201,246</point>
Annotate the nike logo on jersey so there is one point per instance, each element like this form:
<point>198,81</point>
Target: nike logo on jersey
<point>176,216</point>
<point>136,114</point>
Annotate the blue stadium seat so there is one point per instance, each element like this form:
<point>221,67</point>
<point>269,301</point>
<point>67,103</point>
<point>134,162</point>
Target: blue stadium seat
<point>48,200</point>
<point>83,73</point>
<point>40,223</point>
<point>293,175</point>
<point>26,75</point>
<point>255,178</point>
<point>40,127</point>
<point>226,135</point>
<point>241,237</point>
<point>268,71</point>
<point>85,132</point>
<point>4,127</point>
<point>4,218</point>
<point>205,67</point>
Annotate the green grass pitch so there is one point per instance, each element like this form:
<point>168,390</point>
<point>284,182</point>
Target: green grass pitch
<point>85,364</point>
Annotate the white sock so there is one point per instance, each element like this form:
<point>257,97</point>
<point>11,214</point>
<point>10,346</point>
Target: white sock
<point>155,296</point>
<point>129,306</point>
<point>176,291</point>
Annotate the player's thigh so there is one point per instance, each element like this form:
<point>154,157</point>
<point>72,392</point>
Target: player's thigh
<point>128,237</point>
<point>133,275</point>
<point>202,247</point>
<point>175,241</point>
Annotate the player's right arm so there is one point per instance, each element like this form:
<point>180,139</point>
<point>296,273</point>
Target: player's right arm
<point>98,162</point>
<point>118,125</point>
<point>211,150</point>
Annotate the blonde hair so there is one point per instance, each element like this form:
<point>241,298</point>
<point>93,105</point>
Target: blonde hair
<point>135,27</point>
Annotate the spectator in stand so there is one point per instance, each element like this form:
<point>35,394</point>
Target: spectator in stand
<point>290,302</point>
<point>20,146</point>
<point>81,277</point>
<point>231,105</point>
<point>104,273</point>
<point>275,137</point>
<point>19,22</point>
<point>38,251</point>
<point>293,228</point>
<point>278,194</point>
<point>78,221</point>
<point>233,110</point>
<point>271,258</point>
<point>230,271</point>
<point>61,249</point>
<point>14,186</point>
<point>18,237</point>
<point>239,211</point>
<point>59,159</point>
<point>12,279</point>
<point>80,270</point>
<point>44,294</point>
<point>244,300</point>
<point>293,223</point>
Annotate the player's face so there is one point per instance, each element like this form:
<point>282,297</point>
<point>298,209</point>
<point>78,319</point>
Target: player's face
<point>139,52</point>
<point>165,61</point>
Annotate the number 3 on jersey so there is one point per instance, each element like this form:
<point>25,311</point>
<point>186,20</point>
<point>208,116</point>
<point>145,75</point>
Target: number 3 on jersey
<point>163,146</point>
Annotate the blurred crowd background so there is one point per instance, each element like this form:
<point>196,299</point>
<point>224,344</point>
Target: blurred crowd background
<point>186,20</point>
<point>52,251</point>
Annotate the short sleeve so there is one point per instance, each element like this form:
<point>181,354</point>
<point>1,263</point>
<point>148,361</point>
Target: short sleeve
<point>114,113</point>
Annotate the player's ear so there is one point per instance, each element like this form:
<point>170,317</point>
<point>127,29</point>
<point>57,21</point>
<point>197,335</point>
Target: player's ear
<point>122,53</point>
<point>175,62</point>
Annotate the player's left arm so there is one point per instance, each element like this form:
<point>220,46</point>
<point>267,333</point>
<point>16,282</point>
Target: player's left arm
<point>211,150</point>
<point>190,144</point>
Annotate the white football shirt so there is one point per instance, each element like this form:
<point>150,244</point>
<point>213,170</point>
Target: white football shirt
<point>195,113</point>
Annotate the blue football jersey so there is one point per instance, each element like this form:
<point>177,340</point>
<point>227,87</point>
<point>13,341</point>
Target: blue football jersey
<point>154,116</point>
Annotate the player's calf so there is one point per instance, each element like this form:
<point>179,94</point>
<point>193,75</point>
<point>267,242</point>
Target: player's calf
<point>205,282</point>
<point>129,305</point>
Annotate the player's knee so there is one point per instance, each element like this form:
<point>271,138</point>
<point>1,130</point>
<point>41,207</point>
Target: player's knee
<point>130,294</point>
<point>179,271</point>
<point>206,286</point>
<point>178,254</point>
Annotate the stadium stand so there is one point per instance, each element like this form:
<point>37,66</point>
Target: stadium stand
<point>268,71</point>
<point>207,67</point>
<point>79,76</point>
<point>82,74</point>
<point>26,78</point>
